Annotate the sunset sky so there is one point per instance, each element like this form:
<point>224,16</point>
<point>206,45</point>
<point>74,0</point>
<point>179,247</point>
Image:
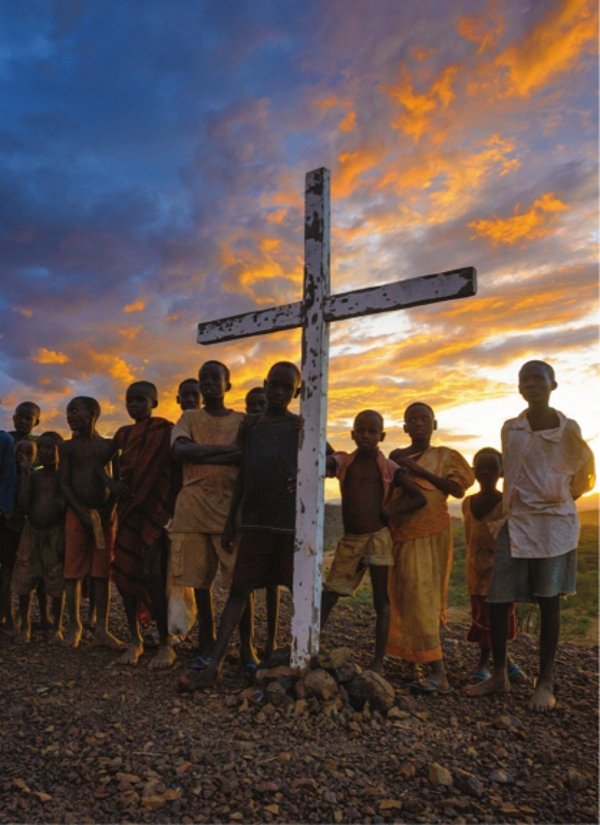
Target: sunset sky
<point>152,163</point>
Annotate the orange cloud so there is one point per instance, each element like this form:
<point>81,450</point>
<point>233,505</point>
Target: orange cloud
<point>535,223</point>
<point>26,312</point>
<point>484,30</point>
<point>348,123</point>
<point>553,47</point>
<point>137,306</point>
<point>417,114</point>
<point>48,356</point>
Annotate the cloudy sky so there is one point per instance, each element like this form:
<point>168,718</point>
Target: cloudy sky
<point>152,163</point>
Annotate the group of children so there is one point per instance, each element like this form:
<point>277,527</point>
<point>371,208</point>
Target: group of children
<point>217,491</point>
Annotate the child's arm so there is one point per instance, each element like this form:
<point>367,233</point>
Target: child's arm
<point>411,500</point>
<point>24,488</point>
<point>228,535</point>
<point>184,449</point>
<point>444,485</point>
<point>330,466</point>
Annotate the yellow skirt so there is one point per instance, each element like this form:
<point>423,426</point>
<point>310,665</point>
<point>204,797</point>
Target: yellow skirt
<point>418,586</point>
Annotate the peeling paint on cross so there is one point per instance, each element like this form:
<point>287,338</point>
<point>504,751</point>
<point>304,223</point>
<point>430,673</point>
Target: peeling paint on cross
<point>314,313</point>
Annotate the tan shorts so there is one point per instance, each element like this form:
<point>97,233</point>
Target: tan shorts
<point>353,555</point>
<point>194,559</point>
<point>38,560</point>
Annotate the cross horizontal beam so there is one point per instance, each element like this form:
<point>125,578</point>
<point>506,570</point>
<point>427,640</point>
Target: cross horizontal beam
<point>427,289</point>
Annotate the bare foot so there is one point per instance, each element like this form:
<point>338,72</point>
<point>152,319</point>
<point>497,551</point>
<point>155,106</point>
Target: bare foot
<point>56,638</point>
<point>131,655</point>
<point>23,637</point>
<point>164,658</point>
<point>543,698</point>
<point>102,638</point>
<point>73,636</point>
<point>199,679</point>
<point>497,683</point>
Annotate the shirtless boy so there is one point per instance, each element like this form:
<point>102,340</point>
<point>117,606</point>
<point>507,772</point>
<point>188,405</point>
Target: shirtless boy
<point>188,394</point>
<point>204,441</point>
<point>89,528</point>
<point>41,547</point>
<point>366,479</point>
<point>265,489</point>
<point>547,465</point>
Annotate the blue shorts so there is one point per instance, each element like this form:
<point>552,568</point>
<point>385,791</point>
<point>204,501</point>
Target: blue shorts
<point>527,580</point>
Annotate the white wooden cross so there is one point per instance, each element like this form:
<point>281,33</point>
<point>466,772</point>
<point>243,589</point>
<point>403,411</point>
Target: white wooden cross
<point>314,313</point>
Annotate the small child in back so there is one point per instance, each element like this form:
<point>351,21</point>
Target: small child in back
<point>366,479</point>
<point>41,548</point>
<point>479,510</point>
<point>188,394</point>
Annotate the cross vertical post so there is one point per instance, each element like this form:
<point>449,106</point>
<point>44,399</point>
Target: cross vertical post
<point>311,457</point>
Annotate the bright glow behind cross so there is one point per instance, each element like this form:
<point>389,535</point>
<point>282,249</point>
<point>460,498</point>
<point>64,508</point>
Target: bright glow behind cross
<point>314,313</point>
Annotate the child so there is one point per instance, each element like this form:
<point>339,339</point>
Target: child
<point>366,479</point>
<point>25,456</point>
<point>547,465</point>
<point>256,401</point>
<point>204,441</point>
<point>25,419</point>
<point>90,527</point>
<point>479,511</point>
<point>266,491</point>
<point>148,486</point>
<point>8,475</point>
<point>188,394</point>
<point>41,548</point>
<point>423,549</point>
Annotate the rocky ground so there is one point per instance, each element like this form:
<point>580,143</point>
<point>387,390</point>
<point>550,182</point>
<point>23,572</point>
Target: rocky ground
<point>85,741</point>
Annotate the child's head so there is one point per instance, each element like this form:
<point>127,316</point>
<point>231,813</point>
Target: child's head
<point>82,412</point>
<point>213,378</point>
<point>367,430</point>
<point>282,385</point>
<point>25,452</point>
<point>256,401</point>
<point>140,399</point>
<point>536,382</point>
<point>188,394</point>
<point>487,465</point>
<point>26,417</point>
<point>47,445</point>
<point>419,421</point>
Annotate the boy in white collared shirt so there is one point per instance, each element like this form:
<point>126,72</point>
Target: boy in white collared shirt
<point>547,465</point>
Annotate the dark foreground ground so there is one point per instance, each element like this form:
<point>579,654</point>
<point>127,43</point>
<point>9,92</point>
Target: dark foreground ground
<point>83,741</point>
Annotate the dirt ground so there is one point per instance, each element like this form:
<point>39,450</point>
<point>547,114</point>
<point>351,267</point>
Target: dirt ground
<point>85,741</point>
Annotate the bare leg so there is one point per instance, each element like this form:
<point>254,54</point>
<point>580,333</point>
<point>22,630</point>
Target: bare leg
<point>102,636</point>
<point>73,593</point>
<point>498,681</point>
<point>40,591</point>
<point>439,674</point>
<point>381,602</point>
<point>24,634</point>
<point>206,621</point>
<point>272,597</point>
<point>8,619</point>
<point>484,658</point>
<point>194,680</point>
<point>543,696</point>
<point>136,644</point>
<point>329,599</point>
<point>155,578</point>
<point>246,628</point>
<point>58,606</point>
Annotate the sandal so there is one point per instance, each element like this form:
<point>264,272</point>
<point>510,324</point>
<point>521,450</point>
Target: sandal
<point>201,663</point>
<point>430,686</point>
<point>481,674</point>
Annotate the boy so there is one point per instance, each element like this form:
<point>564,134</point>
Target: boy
<point>266,490</point>
<point>256,401</point>
<point>41,545</point>
<point>25,456</point>
<point>188,394</point>
<point>366,479</point>
<point>25,419</point>
<point>547,465</point>
<point>204,441</point>
<point>89,528</point>
<point>147,489</point>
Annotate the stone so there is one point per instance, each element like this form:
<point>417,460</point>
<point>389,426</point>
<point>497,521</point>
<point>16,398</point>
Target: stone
<point>501,777</point>
<point>333,659</point>
<point>253,695</point>
<point>347,673</point>
<point>575,780</point>
<point>372,688</point>
<point>277,695</point>
<point>467,783</point>
<point>320,684</point>
<point>438,775</point>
